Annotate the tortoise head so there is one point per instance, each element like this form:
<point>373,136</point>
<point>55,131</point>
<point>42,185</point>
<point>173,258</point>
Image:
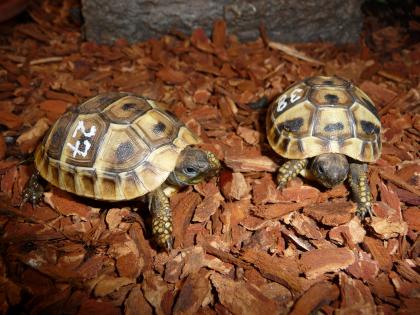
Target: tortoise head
<point>330,169</point>
<point>193,166</point>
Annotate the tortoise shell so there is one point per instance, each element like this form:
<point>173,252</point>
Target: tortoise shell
<point>115,146</point>
<point>324,115</point>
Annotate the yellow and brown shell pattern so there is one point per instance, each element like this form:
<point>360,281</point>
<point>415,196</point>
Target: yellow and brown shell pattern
<point>324,115</point>
<point>115,146</point>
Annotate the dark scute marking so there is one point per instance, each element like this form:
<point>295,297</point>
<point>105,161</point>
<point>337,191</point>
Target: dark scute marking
<point>329,82</point>
<point>54,175</point>
<point>369,127</point>
<point>292,125</point>
<point>331,98</point>
<point>124,151</point>
<point>159,128</point>
<point>276,134</point>
<point>300,145</point>
<point>370,106</point>
<point>284,144</point>
<point>128,106</point>
<point>57,136</point>
<point>334,127</point>
<point>375,149</point>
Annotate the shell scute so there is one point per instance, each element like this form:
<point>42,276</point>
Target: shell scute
<point>329,116</point>
<point>127,109</point>
<point>82,140</point>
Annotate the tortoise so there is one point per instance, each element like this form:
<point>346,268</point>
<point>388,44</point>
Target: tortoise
<point>119,146</point>
<point>328,130</point>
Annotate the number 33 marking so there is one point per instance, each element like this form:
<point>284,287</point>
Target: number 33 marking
<point>283,102</point>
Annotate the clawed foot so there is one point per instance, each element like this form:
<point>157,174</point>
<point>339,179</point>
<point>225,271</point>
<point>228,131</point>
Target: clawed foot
<point>364,210</point>
<point>33,191</point>
<point>162,231</point>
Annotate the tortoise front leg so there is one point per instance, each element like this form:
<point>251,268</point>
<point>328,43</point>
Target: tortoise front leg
<point>161,218</point>
<point>289,170</point>
<point>33,191</point>
<point>360,188</point>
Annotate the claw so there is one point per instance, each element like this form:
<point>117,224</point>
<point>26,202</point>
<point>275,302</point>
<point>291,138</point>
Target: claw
<point>169,244</point>
<point>33,192</point>
<point>280,186</point>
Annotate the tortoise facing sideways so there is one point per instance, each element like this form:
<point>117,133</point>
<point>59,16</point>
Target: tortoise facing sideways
<point>328,129</point>
<point>118,146</point>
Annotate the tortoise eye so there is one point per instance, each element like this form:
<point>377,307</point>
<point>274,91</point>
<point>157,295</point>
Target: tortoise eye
<point>190,171</point>
<point>321,169</point>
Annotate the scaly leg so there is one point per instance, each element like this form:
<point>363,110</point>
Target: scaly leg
<point>33,191</point>
<point>289,170</point>
<point>161,218</point>
<point>360,188</point>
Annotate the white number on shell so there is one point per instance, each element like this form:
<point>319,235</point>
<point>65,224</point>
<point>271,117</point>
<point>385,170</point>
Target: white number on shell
<point>89,134</point>
<point>281,103</point>
<point>294,96</point>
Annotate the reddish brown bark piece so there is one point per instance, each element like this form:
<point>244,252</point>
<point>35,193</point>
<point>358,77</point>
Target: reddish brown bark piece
<point>352,232</point>
<point>234,185</point>
<point>240,298</point>
<point>364,268</point>
<point>171,76</point>
<point>107,285</point>
<point>303,225</point>
<point>155,292</point>
<point>28,140</point>
<point>53,108</point>
<point>407,272</point>
<point>412,217</point>
<point>320,294</point>
<point>300,193</point>
<point>249,135</point>
<point>288,275</point>
<point>277,210</point>
<point>378,93</point>
<point>3,147</point>
<point>356,297</point>
<point>331,213</point>
<point>319,261</point>
<point>63,203</point>
<point>90,307</point>
<point>136,303</point>
<point>264,191</point>
<point>183,206</point>
<point>379,253</point>
<point>207,207</point>
<point>381,286</point>
<point>193,292</point>
<point>10,120</point>
<point>248,160</point>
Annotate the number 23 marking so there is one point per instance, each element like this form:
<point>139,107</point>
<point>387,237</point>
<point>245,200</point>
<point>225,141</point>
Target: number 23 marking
<point>283,102</point>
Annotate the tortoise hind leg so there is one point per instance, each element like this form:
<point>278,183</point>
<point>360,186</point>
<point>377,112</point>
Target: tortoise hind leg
<point>289,170</point>
<point>360,188</point>
<point>161,218</point>
<point>33,190</point>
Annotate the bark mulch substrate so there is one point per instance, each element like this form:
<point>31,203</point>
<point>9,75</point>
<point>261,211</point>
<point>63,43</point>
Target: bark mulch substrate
<point>241,246</point>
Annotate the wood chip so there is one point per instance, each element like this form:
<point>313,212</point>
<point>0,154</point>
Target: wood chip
<point>287,276</point>
<point>379,253</point>
<point>311,300</point>
<point>319,261</point>
<point>240,298</point>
